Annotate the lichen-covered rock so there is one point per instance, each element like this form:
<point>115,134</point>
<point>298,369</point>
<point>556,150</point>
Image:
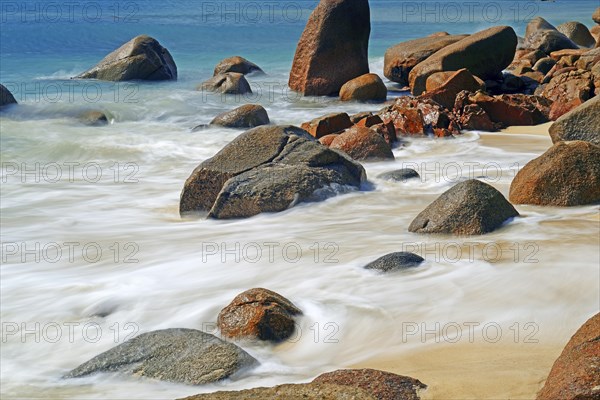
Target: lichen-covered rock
<point>142,58</point>
<point>471,207</point>
<point>175,355</point>
<point>568,174</point>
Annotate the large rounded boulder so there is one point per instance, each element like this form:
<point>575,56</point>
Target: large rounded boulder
<point>578,33</point>
<point>368,87</point>
<point>568,174</point>
<point>236,64</point>
<point>471,207</point>
<point>575,374</point>
<point>246,116</point>
<point>176,355</point>
<point>542,35</point>
<point>485,54</point>
<point>6,97</point>
<point>259,314</point>
<point>581,123</point>
<point>333,48</point>
<point>401,58</point>
<point>142,58</point>
<point>268,169</point>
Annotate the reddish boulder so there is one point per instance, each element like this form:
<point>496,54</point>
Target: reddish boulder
<point>369,120</point>
<point>330,123</point>
<point>575,374</point>
<point>400,59</point>
<point>445,94</point>
<point>509,109</point>
<point>227,83</point>
<point>472,116</point>
<point>568,174</point>
<point>387,131</point>
<point>380,384</point>
<point>418,116</point>
<point>484,54</point>
<point>258,313</point>
<point>328,139</point>
<point>368,87</point>
<point>363,144</point>
<point>333,48</point>
<point>568,90</point>
<point>596,15</point>
<point>236,64</point>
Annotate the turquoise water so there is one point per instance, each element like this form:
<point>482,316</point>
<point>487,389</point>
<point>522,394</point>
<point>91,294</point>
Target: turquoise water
<point>41,40</point>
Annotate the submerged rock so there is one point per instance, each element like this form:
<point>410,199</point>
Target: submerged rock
<point>268,169</point>
<point>485,54</point>
<point>236,64</point>
<point>258,313</point>
<point>142,58</point>
<point>333,48</point>
<point>575,374</point>
<point>471,207</point>
<point>246,116</point>
<point>568,174</point>
<point>176,355</point>
<point>6,97</point>
<point>227,83</point>
<point>395,261</point>
<point>93,118</point>
<point>368,87</point>
<point>399,175</point>
<point>581,123</point>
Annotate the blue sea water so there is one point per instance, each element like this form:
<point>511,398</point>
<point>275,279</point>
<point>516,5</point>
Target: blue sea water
<point>61,38</point>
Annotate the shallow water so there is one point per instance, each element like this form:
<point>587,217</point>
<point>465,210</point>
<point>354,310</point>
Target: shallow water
<point>137,266</point>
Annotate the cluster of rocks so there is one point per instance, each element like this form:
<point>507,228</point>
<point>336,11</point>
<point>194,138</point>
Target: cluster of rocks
<point>194,357</point>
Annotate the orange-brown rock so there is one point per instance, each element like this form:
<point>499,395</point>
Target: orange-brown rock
<point>485,54</point>
<point>363,144</point>
<point>333,48</point>
<point>401,58</point>
<point>369,120</point>
<point>510,109</point>
<point>258,313</point>
<point>367,87</point>
<point>445,94</point>
<point>387,131</point>
<point>568,174</point>
<point>568,90</point>
<point>575,374</point>
<point>327,139</point>
<point>418,116</point>
<point>330,123</point>
<point>557,55</point>
<point>382,385</point>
